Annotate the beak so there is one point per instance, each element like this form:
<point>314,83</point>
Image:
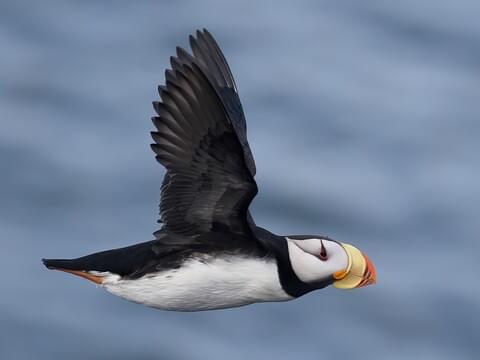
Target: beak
<point>360,271</point>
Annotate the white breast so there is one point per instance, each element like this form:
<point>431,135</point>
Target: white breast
<point>203,285</point>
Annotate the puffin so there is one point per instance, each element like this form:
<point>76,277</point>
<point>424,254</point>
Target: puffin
<point>208,252</point>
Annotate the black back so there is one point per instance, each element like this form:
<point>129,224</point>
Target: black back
<point>168,251</point>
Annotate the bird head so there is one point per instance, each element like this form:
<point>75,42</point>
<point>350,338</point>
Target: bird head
<point>319,259</point>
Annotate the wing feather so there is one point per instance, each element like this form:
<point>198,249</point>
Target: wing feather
<point>200,138</point>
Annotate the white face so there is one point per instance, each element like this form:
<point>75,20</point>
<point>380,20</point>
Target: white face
<point>311,263</point>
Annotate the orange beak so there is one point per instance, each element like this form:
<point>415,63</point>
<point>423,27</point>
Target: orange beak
<point>370,275</point>
<point>359,272</point>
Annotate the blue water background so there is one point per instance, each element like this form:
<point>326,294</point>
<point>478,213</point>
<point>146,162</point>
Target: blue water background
<point>364,120</point>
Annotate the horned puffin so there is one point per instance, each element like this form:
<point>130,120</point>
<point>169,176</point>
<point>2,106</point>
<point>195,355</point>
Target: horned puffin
<point>209,253</point>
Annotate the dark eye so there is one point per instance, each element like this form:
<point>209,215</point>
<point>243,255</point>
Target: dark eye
<point>323,252</point>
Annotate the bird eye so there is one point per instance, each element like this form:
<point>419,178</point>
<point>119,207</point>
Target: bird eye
<point>323,252</point>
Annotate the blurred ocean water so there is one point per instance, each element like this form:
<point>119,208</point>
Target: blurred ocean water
<point>364,122</point>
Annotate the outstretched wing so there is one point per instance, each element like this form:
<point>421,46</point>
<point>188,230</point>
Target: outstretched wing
<point>201,140</point>
<point>208,53</point>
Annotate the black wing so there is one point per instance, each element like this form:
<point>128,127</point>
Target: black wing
<point>201,140</point>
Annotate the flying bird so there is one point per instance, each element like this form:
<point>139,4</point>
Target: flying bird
<point>209,253</point>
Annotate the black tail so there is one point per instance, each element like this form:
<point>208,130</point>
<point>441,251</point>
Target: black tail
<point>60,264</point>
<point>72,267</point>
<point>124,261</point>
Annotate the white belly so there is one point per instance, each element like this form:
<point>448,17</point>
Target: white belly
<point>218,283</point>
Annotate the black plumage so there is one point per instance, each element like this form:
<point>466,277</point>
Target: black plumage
<point>201,140</point>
